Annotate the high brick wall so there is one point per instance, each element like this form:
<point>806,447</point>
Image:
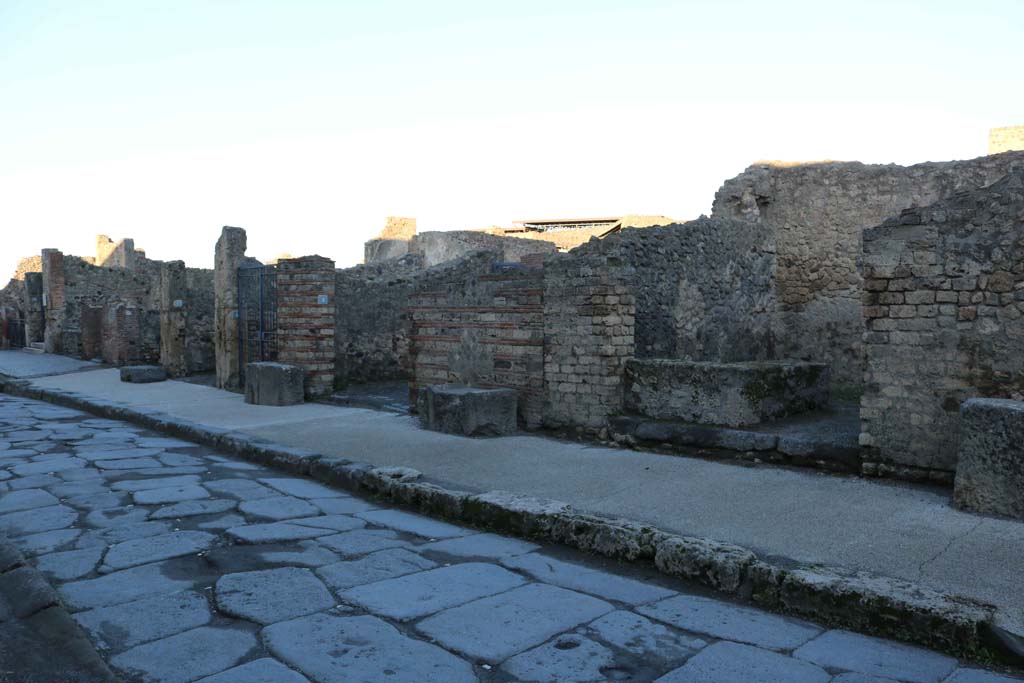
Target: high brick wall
<point>371,342</point>
<point>819,211</point>
<point>306,319</point>
<point>589,317</point>
<point>944,318</point>
<point>479,323</point>
<point>1007,139</point>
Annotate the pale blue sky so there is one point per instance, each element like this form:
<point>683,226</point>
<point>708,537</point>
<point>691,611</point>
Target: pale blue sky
<point>308,122</point>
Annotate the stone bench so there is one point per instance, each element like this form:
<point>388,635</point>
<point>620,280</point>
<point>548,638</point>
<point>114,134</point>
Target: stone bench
<point>990,468</point>
<point>458,409</point>
<point>731,394</point>
<point>143,374</point>
<point>273,384</point>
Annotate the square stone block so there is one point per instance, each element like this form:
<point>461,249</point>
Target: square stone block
<point>458,409</point>
<point>990,467</point>
<point>273,384</point>
<point>731,394</point>
<point>143,374</point>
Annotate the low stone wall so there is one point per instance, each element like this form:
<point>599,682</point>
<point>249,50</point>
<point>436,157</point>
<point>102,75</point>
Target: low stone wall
<point>732,394</point>
<point>478,323</point>
<point>445,246</point>
<point>944,322</point>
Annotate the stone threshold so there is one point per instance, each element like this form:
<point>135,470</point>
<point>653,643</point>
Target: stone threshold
<point>858,601</point>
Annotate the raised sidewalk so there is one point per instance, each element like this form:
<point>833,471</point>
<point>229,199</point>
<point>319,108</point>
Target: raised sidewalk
<point>889,529</point>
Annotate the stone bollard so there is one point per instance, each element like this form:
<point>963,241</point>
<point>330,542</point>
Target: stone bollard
<point>990,468</point>
<point>273,384</point>
<point>458,409</point>
<point>143,374</point>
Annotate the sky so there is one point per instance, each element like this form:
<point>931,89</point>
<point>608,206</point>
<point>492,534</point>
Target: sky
<point>308,122</point>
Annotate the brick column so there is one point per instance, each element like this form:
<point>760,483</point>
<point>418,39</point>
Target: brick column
<point>229,254</point>
<point>306,319</point>
<point>53,300</point>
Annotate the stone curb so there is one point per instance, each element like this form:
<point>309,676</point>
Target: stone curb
<point>35,605</point>
<point>858,601</point>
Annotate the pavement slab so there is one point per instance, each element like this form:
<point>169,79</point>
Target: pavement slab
<point>414,524</point>
<point>725,661</point>
<point>111,517</point>
<point>170,494</point>
<point>426,592</point>
<point>331,649</point>
<point>490,546</point>
<point>264,670</point>
<point>581,578</point>
<point>46,542</point>
<point>136,485</point>
<point>119,627</point>
<point>343,505</point>
<point>127,585</point>
<point>863,654</point>
<point>509,623</point>
<point>70,564</point>
<point>302,488</point>
<point>723,620</point>
<point>333,522</point>
<point>275,532</point>
<point>193,508</point>
<point>363,541</point>
<point>187,656</point>
<point>156,548</point>
<point>272,595</point>
<point>567,659</point>
<point>643,637</point>
<point>278,508</point>
<point>385,564</point>
<point>243,489</point>
<point>37,520</point>
<point>26,500</point>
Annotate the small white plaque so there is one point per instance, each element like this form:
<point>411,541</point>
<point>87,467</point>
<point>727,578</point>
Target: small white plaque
<point>321,298</point>
<point>178,303</point>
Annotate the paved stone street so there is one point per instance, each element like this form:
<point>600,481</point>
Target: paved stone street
<point>180,565</point>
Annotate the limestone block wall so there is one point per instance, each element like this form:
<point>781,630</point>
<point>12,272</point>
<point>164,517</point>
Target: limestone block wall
<point>441,247</point>
<point>589,328</point>
<point>943,322</point>
<point>228,256</point>
<point>186,319</point>
<point>306,319</point>
<point>481,323</point>
<point>371,341</point>
<point>819,212</point>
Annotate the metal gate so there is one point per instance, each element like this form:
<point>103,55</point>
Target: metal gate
<point>257,315</point>
<point>13,330</point>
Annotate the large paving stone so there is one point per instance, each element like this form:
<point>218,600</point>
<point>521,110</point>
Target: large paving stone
<point>134,485</point>
<point>120,534</point>
<point>417,595</point>
<point>278,508</point>
<point>509,623</point>
<point>275,532</point>
<point>264,670</point>
<point>156,548</point>
<point>128,464</point>
<point>70,564</point>
<point>26,500</point>
<point>336,649</point>
<point>194,508</point>
<point>48,466</point>
<point>97,501</point>
<point>363,541</point>
<point>170,494</point>
<point>244,557</point>
<point>127,585</point>
<point>38,520</point>
<point>122,626</point>
<point>854,652</point>
<point>489,546</point>
<point>119,516</point>
<point>731,622</point>
<point>163,442</point>
<point>110,452</point>
<point>977,676</point>
<point>727,662</point>
<point>413,524</point>
<point>302,488</point>
<point>243,489</point>
<point>333,522</point>
<point>272,595</point>
<point>187,656</point>
<point>45,542</point>
<point>181,460</point>
<point>643,637</point>
<point>143,374</point>
<point>582,578</point>
<point>385,564</point>
<point>36,481</point>
<point>570,658</point>
<point>342,506</point>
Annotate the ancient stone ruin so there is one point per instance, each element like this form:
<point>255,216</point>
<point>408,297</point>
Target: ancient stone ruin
<point>833,314</point>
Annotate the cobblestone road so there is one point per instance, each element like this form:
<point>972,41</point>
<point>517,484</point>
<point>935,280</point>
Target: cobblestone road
<point>182,565</point>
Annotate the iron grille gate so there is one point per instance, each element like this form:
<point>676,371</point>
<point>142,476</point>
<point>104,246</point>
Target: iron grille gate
<point>257,315</point>
<point>14,331</point>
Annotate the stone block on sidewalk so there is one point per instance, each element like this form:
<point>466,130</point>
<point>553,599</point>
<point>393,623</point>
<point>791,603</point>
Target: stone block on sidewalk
<point>273,384</point>
<point>143,374</point>
<point>458,409</point>
<point>990,467</point>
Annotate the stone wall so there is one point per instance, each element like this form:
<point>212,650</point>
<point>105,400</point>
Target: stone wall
<point>944,318</point>
<point>306,319</point>
<point>186,319</point>
<point>371,342</point>
<point>228,256</point>
<point>589,318</point>
<point>481,323</point>
<point>819,211</point>
<point>1007,139</point>
<point>441,247</point>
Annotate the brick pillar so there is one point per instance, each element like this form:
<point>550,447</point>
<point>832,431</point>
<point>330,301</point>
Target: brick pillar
<point>53,300</point>
<point>306,319</point>
<point>229,254</point>
<point>173,324</point>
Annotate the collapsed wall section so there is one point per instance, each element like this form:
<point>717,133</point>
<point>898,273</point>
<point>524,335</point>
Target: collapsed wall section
<point>819,212</point>
<point>479,322</point>
<point>944,318</point>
